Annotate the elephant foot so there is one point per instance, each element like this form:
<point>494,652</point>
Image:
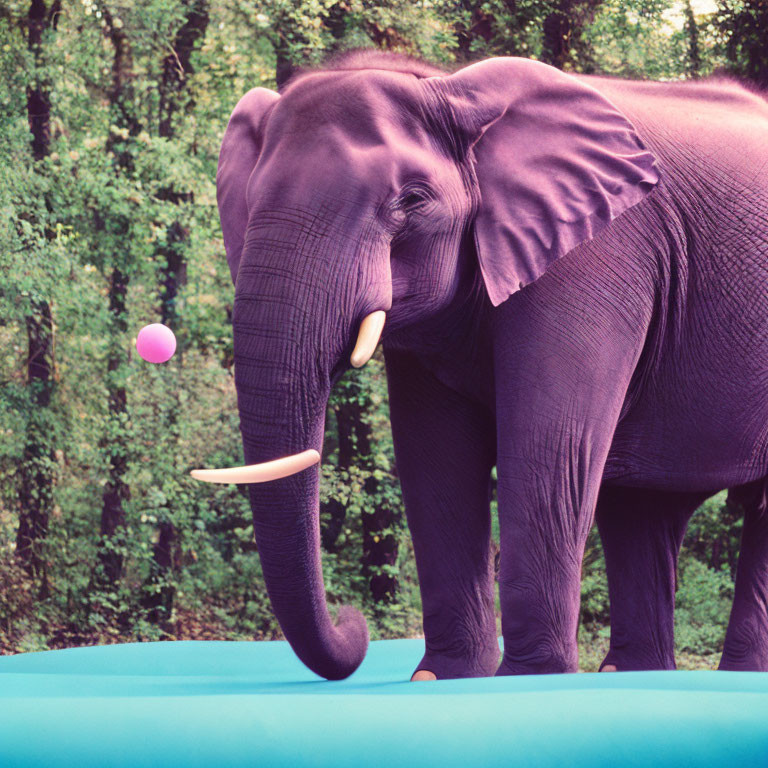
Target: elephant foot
<point>626,661</point>
<point>450,666</point>
<point>746,642</point>
<point>744,659</point>
<point>742,665</point>
<point>544,666</point>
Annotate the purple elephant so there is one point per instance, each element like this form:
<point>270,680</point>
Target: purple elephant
<point>574,275</point>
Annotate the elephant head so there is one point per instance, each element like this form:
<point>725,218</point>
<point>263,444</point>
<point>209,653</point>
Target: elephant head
<point>348,197</point>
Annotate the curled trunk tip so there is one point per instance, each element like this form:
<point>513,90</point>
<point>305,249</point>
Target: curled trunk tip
<point>350,644</point>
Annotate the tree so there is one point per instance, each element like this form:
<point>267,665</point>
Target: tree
<point>638,39</point>
<point>175,71</point>
<point>563,41</point>
<point>355,404</point>
<point>116,228</point>
<point>111,116</point>
<point>305,32</point>
<point>694,51</point>
<point>38,466</point>
<point>742,26</point>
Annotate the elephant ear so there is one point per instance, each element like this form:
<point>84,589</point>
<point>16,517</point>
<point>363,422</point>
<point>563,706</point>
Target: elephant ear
<point>240,150</point>
<point>555,163</point>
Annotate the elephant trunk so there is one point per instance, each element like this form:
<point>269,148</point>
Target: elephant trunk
<point>282,396</point>
<point>285,521</point>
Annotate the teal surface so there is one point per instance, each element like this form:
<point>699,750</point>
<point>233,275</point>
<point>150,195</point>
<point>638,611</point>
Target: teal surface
<point>255,704</point>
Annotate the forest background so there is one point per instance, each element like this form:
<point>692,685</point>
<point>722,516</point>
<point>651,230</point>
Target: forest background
<point>111,117</point>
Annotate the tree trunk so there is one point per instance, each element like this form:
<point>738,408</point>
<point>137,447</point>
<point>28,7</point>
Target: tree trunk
<point>556,36</point>
<point>694,52</point>
<point>563,43</point>
<point>336,509</point>
<point>38,464</point>
<point>480,26</point>
<point>159,590</point>
<point>283,66</point>
<point>116,490</point>
<point>176,67</point>
<point>745,28</point>
<point>379,542</point>
<point>37,469</point>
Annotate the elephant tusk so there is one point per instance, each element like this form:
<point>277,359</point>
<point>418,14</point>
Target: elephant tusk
<point>260,473</point>
<point>368,338</point>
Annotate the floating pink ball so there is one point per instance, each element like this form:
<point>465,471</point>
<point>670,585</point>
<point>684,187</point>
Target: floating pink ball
<point>156,343</point>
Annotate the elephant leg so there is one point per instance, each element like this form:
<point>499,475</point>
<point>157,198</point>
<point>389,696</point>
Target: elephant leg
<point>445,448</point>
<point>564,358</point>
<point>642,531</point>
<point>746,640</point>
<point>542,546</point>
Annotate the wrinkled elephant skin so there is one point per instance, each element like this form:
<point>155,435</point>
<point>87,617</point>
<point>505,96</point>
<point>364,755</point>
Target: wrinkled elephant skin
<point>573,271</point>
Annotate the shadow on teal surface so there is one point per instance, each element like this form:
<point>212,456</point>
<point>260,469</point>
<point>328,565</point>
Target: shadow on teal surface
<point>216,703</point>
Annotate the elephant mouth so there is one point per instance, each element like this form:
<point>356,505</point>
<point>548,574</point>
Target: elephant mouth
<point>367,339</point>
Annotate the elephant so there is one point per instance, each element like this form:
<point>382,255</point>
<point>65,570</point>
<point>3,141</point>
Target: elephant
<point>568,275</point>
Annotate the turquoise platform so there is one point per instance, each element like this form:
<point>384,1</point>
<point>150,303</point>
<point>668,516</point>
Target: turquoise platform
<point>254,704</point>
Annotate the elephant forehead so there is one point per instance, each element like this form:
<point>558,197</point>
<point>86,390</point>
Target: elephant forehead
<point>378,107</point>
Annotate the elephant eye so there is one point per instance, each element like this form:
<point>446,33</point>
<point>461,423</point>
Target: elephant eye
<point>411,200</point>
<point>414,198</point>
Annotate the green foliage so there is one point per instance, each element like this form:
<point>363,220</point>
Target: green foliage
<point>714,534</point>
<point>703,603</point>
<point>740,28</point>
<point>115,193</point>
<point>649,39</point>
<point>595,606</point>
<point>706,576</point>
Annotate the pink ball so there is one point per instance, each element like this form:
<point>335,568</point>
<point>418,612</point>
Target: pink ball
<point>156,343</point>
